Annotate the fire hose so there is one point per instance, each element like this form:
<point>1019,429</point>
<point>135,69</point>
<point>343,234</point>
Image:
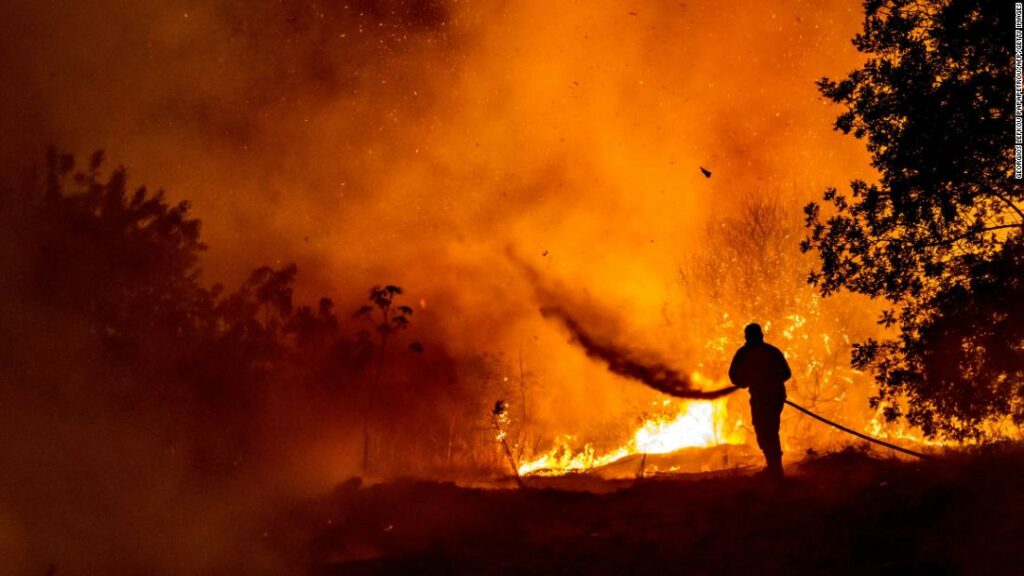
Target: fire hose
<point>672,388</point>
<point>855,433</point>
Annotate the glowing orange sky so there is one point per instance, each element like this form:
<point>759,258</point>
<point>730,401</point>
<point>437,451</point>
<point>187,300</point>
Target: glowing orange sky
<point>414,142</point>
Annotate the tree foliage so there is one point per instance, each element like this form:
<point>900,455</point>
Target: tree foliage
<point>938,235</point>
<point>103,305</point>
<point>125,266</point>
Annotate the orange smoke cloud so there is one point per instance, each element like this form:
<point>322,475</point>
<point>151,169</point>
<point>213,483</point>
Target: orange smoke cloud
<point>412,141</point>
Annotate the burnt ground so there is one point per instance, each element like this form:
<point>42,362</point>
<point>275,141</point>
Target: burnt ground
<point>844,513</point>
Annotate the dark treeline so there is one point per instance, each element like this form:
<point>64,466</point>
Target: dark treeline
<point>153,423</point>
<point>233,373</point>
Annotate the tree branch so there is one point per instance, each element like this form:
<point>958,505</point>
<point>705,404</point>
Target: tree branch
<point>1012,206</point>
<point>967,234</point>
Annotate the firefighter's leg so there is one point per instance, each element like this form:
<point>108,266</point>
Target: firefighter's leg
<point>766,417</point>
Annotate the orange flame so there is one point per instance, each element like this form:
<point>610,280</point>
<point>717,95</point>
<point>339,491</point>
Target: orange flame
<point>692,424</point>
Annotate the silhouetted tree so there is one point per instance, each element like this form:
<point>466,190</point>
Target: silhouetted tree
<point>387,319</point>
<point>314,328</point>
<point>129,261</point>
<point>126,265</point>
<point>938,236</point>
<point>89,265</point>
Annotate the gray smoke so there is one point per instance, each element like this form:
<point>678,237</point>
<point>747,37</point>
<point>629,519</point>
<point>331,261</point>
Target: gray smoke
<point>632,364</point>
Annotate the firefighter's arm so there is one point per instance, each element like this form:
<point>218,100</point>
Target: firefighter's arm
<point>784,370</point>
<point>734,370</point>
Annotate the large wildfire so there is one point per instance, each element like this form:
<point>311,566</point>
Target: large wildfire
<point>704,413</point>
<point>679,424</point>
<point>646,163</point>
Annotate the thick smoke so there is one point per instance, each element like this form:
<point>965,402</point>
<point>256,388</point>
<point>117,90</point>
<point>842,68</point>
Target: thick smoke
<point>630,362</point>
<point>633,364</point>
<point>399,141</point>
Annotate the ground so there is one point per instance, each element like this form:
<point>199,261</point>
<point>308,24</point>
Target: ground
<point>842,513</point>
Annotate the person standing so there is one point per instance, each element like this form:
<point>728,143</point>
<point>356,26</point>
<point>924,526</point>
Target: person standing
<point>762,369</point>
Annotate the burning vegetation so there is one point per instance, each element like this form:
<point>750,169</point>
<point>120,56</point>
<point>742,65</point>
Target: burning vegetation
<point>477,245</point>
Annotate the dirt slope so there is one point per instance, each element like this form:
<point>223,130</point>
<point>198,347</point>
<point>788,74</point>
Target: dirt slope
<point>845,513</point>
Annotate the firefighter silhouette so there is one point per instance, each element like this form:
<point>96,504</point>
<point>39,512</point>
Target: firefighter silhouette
<point>762,369</point>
